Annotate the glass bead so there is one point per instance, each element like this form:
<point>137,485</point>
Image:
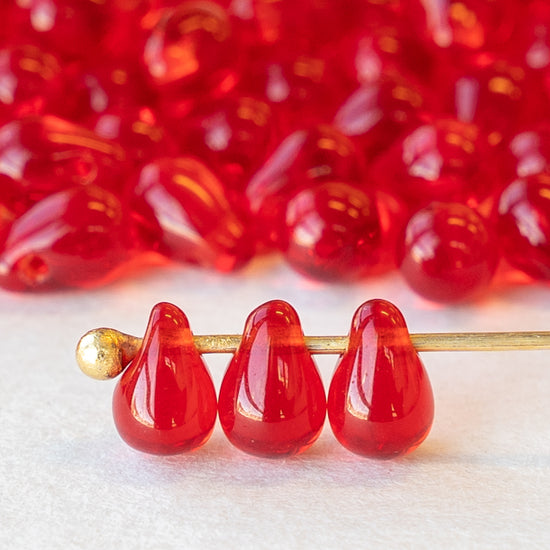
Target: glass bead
<point>499,96</point>
<point>70,28</point>
<point>191,49</point>
<point>385,42</point>
<point>469,25</point>
<point>136,130</point>
<point>125,32</point>
<point>332,232</point>
<point>304,158</point>
<point>377,113</point>
<point>181,210</point>
<point>165,401</point>
<point>231,135</point>
<point>104,86</point>
<point>76,237</point>
<point>303,88</point>
<point>48,154</point>
<point>530,43</point>
<point>380,402</point>
<point>524,225</point>
<point>272,401</point>
<point>303,25</point>
<point>449,253</point>
<point>30,79</point>
<point>528,152</point>
<point>443,159</point>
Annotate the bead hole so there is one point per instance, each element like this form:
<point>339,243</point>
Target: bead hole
<point>32,270</point>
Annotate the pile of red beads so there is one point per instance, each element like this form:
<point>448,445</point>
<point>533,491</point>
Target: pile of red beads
<point>351,136</point>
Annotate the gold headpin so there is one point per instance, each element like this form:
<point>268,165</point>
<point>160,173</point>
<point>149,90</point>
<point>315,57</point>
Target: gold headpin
<point>103,353</point>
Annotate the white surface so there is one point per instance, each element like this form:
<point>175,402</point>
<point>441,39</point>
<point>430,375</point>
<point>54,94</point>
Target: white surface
<point>481,479</point>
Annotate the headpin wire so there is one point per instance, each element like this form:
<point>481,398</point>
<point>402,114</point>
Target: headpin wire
<point>103,353</point>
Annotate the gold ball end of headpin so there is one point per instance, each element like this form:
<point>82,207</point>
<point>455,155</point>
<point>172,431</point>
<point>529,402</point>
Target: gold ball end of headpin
<point>103,353</point>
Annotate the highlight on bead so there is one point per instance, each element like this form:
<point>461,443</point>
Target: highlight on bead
<point>350,140</point>
<point>272,402</point>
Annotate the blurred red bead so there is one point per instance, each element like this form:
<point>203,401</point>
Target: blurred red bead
<point>136,130</point>
<point>306,157</point>
<point>444,159</point>
<point>100,87</point>
<point>165,402</point>
<point>303,25</point>
<point>30,80</point>
<point>384,41</point>
<point>380,401</point>
<point>524,225</point>
<point>332,232</point>
<point>231,135</point>
<point>302,88</point>
<point>499,97</point>
<point>272,401</point>
<point>530,43</point>
<point>469,25</point>
<point>528,152</point>
<point>47,154</point>
<point>376,114</point>
<point>70,28</point>
<point>449,253</point>
<point>180,209</point>
<point>190,50</point>
<point>124,33</point>
<point>77,237</point>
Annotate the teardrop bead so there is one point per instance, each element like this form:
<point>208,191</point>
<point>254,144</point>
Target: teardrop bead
<point>380,401</point>
<point>77,237</point>
<point>165,402</point>
<point>272,401</point>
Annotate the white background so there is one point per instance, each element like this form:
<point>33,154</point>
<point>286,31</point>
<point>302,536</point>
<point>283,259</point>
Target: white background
<point>481,479</point>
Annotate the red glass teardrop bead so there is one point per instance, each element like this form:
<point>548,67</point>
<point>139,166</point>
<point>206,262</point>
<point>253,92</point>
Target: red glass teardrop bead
<point>443,159</point>
<point>530,43</point>
<point>469,25</point>
<point>498,96</point>
<point>272,401</point>
<point>449,252</point>
<point>380,401</point>
<point>71,28</point>
<point>181,210</point>
<point>304,158</point>
<point>377,113</point>
<point>47,154</point>
<point>165,402</point>
<point>107,85</point>
<point>231,135</point>
<point>136,130</point>
<point>524,225</point>
<point>528,152</point>
<point>303,25</point>
<point>30,79</point>
<point>386,40</point>
<point>124,34</point>
<point>76,237</point>
<point>332,232</point>
<point>191,49</point>
<point>302,88</point>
